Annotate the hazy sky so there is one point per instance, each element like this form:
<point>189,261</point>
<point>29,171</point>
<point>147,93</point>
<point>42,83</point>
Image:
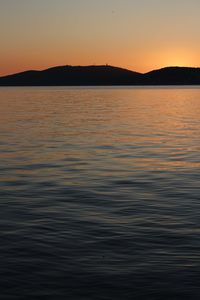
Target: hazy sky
<point>136,34</point>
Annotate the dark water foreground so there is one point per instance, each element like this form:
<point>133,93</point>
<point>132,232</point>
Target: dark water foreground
<point>99,193</point>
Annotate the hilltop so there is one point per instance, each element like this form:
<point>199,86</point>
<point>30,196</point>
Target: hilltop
<point>102,75</point>
<point>73,75</point>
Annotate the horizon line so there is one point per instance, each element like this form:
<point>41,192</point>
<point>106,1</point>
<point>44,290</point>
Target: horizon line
<point>98,65</point>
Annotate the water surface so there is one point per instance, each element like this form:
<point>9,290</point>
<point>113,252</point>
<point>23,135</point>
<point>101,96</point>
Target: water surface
<point>99,193</point>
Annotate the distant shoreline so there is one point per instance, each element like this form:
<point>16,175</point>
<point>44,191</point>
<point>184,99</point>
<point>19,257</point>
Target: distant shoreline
<point>103,75</point>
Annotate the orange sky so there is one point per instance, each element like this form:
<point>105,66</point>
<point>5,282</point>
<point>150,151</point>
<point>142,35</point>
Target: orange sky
<point>137,34</point>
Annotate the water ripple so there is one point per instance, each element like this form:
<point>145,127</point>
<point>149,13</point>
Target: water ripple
<point>99,193</point>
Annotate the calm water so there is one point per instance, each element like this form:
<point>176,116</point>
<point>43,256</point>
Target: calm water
<point>100,193</point>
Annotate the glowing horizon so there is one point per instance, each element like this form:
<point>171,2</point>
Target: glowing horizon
<point>139,35</point>
<point>123,67</point>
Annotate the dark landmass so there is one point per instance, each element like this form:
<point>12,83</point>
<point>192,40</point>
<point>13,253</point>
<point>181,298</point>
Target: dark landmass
<point>102,75</point>
<point>173,76</point>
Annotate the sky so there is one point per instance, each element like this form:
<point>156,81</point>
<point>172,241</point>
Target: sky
<point>140,35</point>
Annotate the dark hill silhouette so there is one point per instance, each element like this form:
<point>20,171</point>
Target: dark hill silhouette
<point>173,76</point>
<point>102,75</point>
<point>70,75</point>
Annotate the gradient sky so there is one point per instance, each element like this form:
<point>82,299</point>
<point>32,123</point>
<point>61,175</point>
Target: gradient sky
<point>137,34</point>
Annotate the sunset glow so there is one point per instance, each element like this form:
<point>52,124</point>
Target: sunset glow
<point>140,35</point>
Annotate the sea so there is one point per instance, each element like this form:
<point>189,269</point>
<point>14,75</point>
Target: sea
<point>100,193</point>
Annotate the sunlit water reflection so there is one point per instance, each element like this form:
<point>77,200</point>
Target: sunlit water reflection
<point>100,194</point>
